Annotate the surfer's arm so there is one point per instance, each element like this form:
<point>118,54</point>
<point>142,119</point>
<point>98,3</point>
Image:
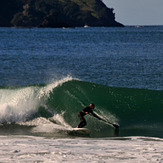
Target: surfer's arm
<point>95,115</point>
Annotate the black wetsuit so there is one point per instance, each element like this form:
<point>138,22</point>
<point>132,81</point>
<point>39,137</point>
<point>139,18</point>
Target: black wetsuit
<point>81,115</point>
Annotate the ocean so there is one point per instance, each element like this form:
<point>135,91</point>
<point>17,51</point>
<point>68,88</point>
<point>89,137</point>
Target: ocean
<point>47,76</point>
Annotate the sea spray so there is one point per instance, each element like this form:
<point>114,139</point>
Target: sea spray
<point>18,104</point>
<point>49,88</point>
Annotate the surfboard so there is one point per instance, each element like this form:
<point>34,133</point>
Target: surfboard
<point>79,132</point>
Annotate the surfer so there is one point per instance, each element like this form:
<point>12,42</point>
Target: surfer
<point>85,111</point>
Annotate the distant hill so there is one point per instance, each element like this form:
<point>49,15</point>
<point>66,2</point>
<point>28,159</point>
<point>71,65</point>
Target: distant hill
<point>56,13</point>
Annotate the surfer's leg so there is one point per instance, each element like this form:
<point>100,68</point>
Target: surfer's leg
<point>80,125</point>
<point>83,122</point>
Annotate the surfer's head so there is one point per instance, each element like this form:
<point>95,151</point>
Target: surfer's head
<point>92,106</point>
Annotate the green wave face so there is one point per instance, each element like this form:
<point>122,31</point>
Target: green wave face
<point>137,111</point>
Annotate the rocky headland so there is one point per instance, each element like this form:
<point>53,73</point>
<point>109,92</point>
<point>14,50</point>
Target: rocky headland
<point>56,13</point>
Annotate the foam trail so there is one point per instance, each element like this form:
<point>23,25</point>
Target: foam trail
<point>58,118</point>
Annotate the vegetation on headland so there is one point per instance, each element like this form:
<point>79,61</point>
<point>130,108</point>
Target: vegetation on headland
<point>56,13</point>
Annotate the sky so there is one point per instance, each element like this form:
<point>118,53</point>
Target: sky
<point>137,12</point>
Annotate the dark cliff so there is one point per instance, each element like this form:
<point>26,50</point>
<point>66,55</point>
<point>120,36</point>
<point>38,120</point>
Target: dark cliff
<point>56,13</point>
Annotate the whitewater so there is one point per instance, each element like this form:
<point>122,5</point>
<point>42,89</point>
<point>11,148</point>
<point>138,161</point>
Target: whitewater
<point>40,149</point>
<point>47,76</point>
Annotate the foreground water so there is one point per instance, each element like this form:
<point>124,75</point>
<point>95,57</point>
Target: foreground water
<point>39,149</point>
<point>48,75</point>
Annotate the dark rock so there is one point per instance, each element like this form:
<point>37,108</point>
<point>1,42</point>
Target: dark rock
<point>56,13</point>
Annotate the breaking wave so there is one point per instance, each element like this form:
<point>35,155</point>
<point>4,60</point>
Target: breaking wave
<point>137,111</point>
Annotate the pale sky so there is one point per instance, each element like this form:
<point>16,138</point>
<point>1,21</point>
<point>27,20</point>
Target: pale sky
<point>137,12</point>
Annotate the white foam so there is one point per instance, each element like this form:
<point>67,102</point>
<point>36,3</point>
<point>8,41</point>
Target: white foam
<point>18,104</point>
<point>39,149</point>
<point>58,118</point>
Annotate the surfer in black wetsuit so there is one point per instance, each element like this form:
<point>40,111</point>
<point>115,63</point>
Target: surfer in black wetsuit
<point>87,110</point>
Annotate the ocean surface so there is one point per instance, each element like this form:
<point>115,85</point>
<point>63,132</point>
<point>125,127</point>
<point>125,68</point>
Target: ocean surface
<point>47,76</point>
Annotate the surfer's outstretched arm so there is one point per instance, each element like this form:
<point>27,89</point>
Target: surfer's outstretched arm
<point>114,125</point>
<point>95,115</point>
